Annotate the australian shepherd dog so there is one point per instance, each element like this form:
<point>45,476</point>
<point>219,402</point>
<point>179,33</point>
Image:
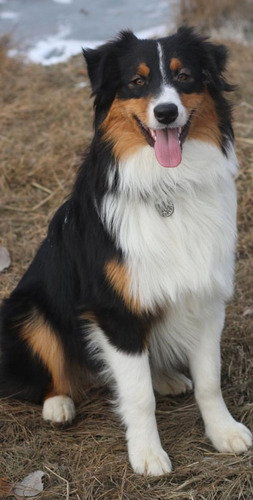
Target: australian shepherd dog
<point>130,284</point>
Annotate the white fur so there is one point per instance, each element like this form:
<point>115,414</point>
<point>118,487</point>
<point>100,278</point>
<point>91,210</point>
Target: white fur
<point>190,334</point>
<point>193,250</point>
<point>225,433</point>
<point>168,95</point>
<point>161,62</point>
<point>58,409</point>
<point>184,264</point>
<point>135,404</point>
<point>173,383</point>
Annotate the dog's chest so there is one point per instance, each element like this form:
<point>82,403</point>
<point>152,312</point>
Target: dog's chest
<point>188,251</point>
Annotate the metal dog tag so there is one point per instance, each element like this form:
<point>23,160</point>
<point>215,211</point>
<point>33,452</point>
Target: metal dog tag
<point>165,210</point>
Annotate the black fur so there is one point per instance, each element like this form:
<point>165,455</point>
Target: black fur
<point>65,279</point>
<point>67,276</point>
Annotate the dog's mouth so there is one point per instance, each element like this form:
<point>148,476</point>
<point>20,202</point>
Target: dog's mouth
<point>166,141</point>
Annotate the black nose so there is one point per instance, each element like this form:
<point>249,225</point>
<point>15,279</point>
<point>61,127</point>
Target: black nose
<point>166,113</point>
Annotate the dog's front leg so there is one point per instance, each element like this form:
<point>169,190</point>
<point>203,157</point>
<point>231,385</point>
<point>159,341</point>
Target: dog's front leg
<point>225,433</point>
<point>136,406</point>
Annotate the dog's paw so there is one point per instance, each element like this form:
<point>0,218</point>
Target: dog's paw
<point>172,385</point>
<point>230,437</point>
<point>58,409</point>
<point>150,462</point>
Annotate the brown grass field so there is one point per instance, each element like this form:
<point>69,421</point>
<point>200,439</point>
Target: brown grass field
<point>46,123</point>
<point>213,14</point>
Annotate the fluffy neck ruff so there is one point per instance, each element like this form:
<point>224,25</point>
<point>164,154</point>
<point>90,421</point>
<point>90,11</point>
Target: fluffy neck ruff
<point>141,176</point>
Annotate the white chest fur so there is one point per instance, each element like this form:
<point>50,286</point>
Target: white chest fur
<point>191,251</point>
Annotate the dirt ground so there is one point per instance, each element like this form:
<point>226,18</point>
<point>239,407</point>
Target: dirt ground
<point>46,123</point>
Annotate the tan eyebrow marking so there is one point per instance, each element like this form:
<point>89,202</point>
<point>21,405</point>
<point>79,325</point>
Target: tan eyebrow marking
<point>175,64</point>
<point>143,69</point>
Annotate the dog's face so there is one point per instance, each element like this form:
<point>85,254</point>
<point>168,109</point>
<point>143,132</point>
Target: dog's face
<point>157,92</point>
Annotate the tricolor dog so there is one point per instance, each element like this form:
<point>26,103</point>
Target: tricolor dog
<point>130,285</point>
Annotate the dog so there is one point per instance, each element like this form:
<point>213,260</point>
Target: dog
<point>130,285</point>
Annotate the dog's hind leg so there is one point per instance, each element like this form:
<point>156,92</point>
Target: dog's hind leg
<point>42,368</point>
<point>173,383</point>
<point>58,406</point>
<point>46,344</point>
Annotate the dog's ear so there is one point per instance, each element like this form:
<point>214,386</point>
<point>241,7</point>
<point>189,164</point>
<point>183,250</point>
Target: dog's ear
<point>102,63</point>
<point>103,66</point>
<point>214,66</point>
<point>99,62</point>
<point>219,54</point>
<point>213,57</point>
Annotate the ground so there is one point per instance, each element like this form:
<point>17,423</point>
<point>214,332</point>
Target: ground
<point>46,124</point>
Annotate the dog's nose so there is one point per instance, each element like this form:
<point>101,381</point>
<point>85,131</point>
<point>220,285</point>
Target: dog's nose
<point>166,113</point>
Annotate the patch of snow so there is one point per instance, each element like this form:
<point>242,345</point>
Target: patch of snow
<point>156,32</point>
<point>9,15</point>
<point>58,48</point>
<point>63,1</point>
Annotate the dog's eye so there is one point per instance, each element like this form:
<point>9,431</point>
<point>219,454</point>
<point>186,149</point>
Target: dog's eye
<point>138,81</point>
<point>183,75</point>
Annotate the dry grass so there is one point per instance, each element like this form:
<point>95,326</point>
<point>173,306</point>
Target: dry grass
<point>46,123</point>
<point>212,14</point>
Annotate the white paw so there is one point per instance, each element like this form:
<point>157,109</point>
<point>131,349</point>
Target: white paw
<point>58,409</point>
<point>230,437</point>
<point>173,385</point>
<point>150,462</point>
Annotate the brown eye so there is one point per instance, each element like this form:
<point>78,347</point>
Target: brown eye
<point>138,81</point>
<point>183,76</point>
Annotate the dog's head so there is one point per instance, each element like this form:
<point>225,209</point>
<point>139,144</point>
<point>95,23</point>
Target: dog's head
<point>159,92</point>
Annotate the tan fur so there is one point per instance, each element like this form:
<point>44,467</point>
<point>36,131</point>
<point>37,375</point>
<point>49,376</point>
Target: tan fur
<point>192,101</point>
<point>44,342</point>
<point>143,69</point>
<point>175,64</point>
<point>118,276</point>
<point>121,128</point>
<point>205,120</point>
<point>89,316</point>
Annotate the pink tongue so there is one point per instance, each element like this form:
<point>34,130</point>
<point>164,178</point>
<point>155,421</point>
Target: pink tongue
<point>167,147</point>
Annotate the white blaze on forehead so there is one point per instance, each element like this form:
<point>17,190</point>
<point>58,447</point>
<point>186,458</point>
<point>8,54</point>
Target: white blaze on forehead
<point>168,95</point>
<point>161,62</point>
